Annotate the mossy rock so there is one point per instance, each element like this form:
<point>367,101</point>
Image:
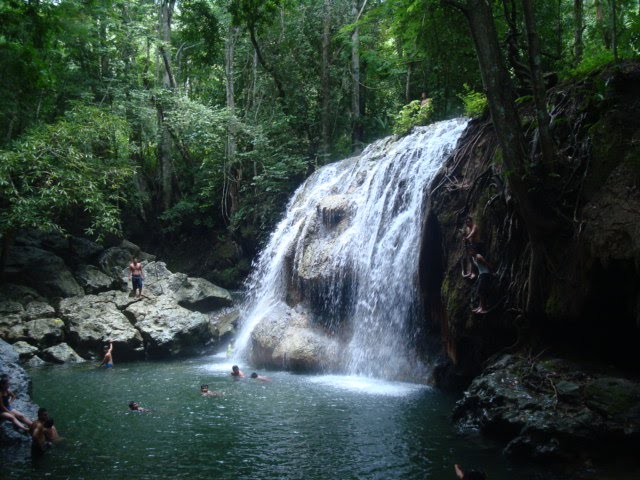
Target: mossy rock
<point>613,397</point>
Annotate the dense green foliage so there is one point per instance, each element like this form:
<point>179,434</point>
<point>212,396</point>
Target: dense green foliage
<point>228,104</point>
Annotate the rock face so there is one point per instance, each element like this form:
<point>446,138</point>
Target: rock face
<point>552,410</point>
<point>57,317</point>
<point>20,384</point>
<point>169,329</point>
<point>289,340</point>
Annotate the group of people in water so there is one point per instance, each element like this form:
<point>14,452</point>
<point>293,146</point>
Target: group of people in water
<point>42,430</point>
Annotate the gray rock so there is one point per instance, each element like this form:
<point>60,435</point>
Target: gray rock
<point>25,351</point>
<point>21,386</point>
<point>11,327</point>
<point>61,353</point>
<point>223,324</point>
<point>85,250</point>
<point>288,339</point>
<point>35,361</point>
<point>113,260</point>
<point>551,409</point>
<point>93,320</point>
<point>39,309</point>
<point>93,280</point>
<point>167,328</point>
<point>200,294</point>
<point>46,332</point>
<point>11,308</point>
<point>43,271</point>
<point>19,293</point>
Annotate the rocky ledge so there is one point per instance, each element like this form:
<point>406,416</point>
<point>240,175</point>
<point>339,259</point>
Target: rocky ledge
<point>553,410</point>
<point>66,297</point>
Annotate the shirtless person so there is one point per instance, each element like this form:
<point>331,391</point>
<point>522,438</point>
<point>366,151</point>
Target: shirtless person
<point>136,275</point>
<point>39,442</point>
<point>107,361</point>
<point>236,372</point>
<point>260,378</point>
<point>205,392</point>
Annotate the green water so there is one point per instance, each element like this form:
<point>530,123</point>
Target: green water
<point>294,427</point>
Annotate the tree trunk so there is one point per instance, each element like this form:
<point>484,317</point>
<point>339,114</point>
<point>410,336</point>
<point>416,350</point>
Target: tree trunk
<point>578,29</point>
<point>232,173</point>
<point>356,121</point>
<point>325,83</point>
<point>614,29</point>
<point>506,121</point>
<point>269,69</point>
<point>547,146</point>
<point>168,82</point>
<point>606,35</point>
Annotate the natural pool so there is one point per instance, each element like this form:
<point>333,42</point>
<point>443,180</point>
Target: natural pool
<point>294,427</point>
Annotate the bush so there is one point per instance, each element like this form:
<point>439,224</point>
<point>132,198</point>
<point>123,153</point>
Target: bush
<point>475,103</point>
<point>411,115</point>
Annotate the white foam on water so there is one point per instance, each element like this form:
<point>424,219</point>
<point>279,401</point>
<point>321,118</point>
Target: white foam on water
<point>368,385</point>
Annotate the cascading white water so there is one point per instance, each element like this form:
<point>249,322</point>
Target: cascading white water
<point>350,242</point>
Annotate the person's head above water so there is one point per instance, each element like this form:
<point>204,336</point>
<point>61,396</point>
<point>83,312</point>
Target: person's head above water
<point>254,375</point>
<point>134,405</point>
<point>235,369</point>
<point>204,388</point>
<point>43,414</point>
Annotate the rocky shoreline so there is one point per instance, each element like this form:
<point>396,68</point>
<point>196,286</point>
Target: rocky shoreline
<point>63,299</point>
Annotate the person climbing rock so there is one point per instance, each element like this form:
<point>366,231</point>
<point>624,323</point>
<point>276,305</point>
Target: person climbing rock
<point>484,278</point>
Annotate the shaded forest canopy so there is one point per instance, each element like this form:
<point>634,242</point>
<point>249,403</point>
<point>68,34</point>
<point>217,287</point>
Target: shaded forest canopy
<point>169,121</point>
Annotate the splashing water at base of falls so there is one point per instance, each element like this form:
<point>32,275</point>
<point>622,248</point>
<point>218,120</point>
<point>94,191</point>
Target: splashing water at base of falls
<point>346,253</point>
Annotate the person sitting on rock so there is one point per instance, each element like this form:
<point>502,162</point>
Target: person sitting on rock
<point>236,372</point>
<point>107,361</point>
<point>7,412</point>
<point>469,474</point>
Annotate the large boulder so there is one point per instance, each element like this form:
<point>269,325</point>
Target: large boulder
<point>222,324</point>
<point>553,410</point>
<point>43,271</point>
<point>167,328</point>
<point>11,326</point>
<point>94,320</point>
<point>44,332</point>
<point>61,353</point>
<point>25,351</point>
<point>38,309</point>
<point>94,281</point>
<point>19,293</point>
<point>287,338</point>
<point>20,384</point>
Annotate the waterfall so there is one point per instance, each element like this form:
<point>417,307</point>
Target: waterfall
<point>347,251</point>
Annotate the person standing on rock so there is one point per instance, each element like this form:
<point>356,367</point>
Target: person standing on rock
<point>107,361</point>
<point>7,412</point>
<point>136,275</point>
<point>484,278</point>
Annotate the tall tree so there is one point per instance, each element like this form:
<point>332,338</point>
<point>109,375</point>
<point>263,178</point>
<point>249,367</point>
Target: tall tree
<point>168,82</point>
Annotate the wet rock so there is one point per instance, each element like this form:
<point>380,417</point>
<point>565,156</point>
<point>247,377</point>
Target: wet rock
<point>552,410</point>
<point>20,384</point>
<point>287,339</point>
<point>61,353</point>
<point>223,324</point>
